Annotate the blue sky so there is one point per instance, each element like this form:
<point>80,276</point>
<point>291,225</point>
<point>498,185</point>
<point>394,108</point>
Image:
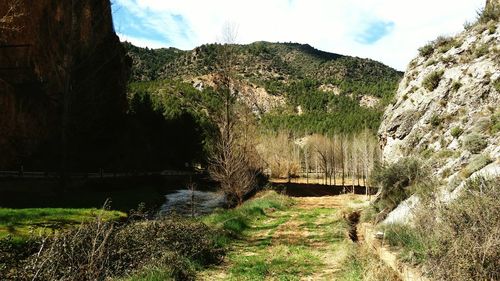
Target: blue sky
<point>389,31</point>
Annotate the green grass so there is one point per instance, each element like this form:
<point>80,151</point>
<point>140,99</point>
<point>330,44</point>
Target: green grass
<point>411,243</point>
<point>20,223</point>
<point>237,220</point>
<point>153,274</point>
<point>273,238</point>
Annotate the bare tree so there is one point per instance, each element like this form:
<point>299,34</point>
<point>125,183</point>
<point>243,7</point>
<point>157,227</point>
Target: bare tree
<point>230,164</point>
<point>280,155</point>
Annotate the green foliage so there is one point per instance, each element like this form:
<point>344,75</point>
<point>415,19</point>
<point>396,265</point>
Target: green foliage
<point>456,132</point>
<point>426,50</point>
<point>495,122</point>
<point>159,108</point>
<point>435,120</point>
<point>397,181</point>
<point>475,143</point>
<point>148,63</point>
<point>496,85</point>
<point>432,80</point>
<point>456,86</point>
<point>489,13</point>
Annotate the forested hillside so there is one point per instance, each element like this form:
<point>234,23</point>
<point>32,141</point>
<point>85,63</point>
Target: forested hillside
<point>289,86</point>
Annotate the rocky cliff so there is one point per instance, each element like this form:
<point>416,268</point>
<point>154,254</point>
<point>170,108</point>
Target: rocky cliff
<point>61,68</point>
<point>447,108</point>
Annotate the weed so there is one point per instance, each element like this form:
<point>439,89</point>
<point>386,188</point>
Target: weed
<point>456,132</point>
<point>432,80</point>
<point>456,86</point>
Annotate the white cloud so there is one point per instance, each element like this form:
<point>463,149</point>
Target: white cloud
<point>330,25</point>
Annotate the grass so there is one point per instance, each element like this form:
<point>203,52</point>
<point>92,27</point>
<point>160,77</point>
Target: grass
<point>274,237</point>
<point>362,264</point>
<point>236,221</point>
<point>412,245</point>
<point>432,80</point>
<point>20,223</point>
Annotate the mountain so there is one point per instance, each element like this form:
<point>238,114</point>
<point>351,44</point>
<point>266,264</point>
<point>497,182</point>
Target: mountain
<point>291,86</point>
<point>447,109</point>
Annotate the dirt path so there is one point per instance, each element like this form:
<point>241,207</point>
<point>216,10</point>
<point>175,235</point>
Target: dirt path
<point>307,242</point>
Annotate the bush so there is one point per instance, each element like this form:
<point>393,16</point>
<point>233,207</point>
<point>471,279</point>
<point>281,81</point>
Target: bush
<point>489,13</point>
<point>426,50</point>
<point>457,241</point>
<point>432,80</point>
<point>476,163</point>
<point>101,249</point>
<point>495,122</point>
<point>397,182</point>
<point>456,132</point>
<point>475,143</point>
<point>435,120</point>
<point>467,245</point>
<point>456,86</point>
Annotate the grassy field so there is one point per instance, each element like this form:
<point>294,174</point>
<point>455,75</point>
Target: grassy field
<point>20,223</point>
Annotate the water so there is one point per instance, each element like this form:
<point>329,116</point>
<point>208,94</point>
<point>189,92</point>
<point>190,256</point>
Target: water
<point>180,202</point>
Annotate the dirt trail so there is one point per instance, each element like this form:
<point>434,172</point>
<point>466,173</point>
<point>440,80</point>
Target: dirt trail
<point>307,242</point>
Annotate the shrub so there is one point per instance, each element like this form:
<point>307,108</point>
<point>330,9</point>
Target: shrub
<point>476,163</point>
<point>496,85</point>
<point>426,50</point>
<point>495,122</point>
<point>475,143</point>
<point>456,132</point>
<point>456,86</point>
<point>481,50</point>
<point>435,120</point>
<point>432,80</point>
<point>397,181</point>
<point>489,13</point>
<point>466,236</point>
<point>103,249</point>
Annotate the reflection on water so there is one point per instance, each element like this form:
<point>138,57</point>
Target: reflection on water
<point>180,202</point>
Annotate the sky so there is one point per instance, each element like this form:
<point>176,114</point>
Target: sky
<point>389,31</point>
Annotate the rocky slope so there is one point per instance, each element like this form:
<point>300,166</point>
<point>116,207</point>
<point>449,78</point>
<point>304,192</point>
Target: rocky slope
<point>447,109</point>
<point>62,60</point>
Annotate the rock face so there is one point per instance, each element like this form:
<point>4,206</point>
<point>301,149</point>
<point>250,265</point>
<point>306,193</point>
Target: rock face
<point>62,67</point>
<point>447,108</point>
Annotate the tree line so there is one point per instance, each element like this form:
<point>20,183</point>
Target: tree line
<point>338,159</point>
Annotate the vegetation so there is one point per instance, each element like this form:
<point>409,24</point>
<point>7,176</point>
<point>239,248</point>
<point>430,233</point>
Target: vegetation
<point>172,247</point>
<point>476,163</point>
<point>460,241</point>
<point>397,182</point>
<point>21,223</point>
<point>435,120</point>
<point>456,132</point>
<point>432,80</point>
<point>475,143</point>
